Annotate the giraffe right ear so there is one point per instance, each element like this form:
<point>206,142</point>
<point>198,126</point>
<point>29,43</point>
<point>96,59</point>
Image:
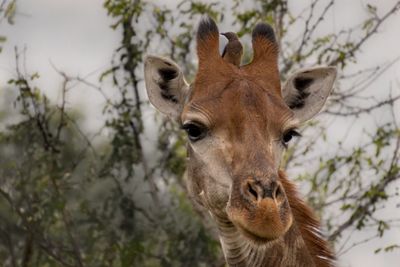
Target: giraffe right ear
<point>165,84</point>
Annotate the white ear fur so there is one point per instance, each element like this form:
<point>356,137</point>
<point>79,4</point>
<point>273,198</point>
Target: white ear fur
<point>306,91</point>
<point>165,84</point>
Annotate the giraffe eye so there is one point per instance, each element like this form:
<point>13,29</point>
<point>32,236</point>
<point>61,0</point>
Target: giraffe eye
<point>288,135</point>
<point>195,131</point>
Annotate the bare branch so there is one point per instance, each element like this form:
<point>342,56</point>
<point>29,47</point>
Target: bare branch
<point>370,33</point>
<point>356,111</point>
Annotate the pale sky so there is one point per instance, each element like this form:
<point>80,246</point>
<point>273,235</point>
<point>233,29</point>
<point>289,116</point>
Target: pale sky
<point>75,36</point>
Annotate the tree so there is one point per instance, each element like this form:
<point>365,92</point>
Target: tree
<point>69,198</point>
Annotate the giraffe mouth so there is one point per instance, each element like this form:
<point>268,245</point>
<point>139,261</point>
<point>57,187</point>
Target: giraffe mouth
<point>253,236</point>
<point>262,223</point>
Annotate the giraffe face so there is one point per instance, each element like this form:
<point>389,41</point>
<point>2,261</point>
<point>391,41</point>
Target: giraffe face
<point>238,122</point>
<point>235,144</point>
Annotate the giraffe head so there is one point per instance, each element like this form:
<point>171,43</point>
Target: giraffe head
<point>238,120</point>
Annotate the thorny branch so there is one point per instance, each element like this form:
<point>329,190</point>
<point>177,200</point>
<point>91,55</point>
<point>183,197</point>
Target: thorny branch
<point>365,209</point>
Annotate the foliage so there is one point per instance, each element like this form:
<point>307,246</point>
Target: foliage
<point>69,199</point>
<point>7,12</point>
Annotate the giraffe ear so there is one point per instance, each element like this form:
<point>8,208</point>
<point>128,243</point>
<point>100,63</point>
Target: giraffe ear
<point>165,84</point>
<point>306,91</point>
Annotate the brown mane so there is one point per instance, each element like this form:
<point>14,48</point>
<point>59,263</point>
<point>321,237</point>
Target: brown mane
<point>308,224</point>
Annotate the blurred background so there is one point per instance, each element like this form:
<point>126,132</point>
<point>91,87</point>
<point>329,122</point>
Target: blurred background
<point>92,175</point>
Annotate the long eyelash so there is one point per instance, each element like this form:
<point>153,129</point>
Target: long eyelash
<point>296,133</point>
<point>187,124</point>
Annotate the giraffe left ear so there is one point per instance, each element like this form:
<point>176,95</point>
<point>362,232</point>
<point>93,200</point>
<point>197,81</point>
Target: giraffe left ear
<point>306,91</point>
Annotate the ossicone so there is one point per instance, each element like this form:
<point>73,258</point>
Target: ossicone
<point>263,30</point>
<point>207,40</point>
<point>207,28</point>
<point>264,43</point>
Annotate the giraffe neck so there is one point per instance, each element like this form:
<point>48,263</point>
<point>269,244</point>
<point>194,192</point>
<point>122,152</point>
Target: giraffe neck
<point>301,246</point>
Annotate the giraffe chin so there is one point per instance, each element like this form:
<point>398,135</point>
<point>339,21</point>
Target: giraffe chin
<point>263,224</point>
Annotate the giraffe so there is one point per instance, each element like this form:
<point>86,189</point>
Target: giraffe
<point>239,120</point>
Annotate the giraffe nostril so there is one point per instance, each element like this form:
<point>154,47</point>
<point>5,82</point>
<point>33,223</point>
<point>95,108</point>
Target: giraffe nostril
<point>277,192</point>
<point>252,190</point>
<point>257,191</point>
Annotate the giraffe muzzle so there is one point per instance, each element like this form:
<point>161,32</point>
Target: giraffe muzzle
<point>259,208</point>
